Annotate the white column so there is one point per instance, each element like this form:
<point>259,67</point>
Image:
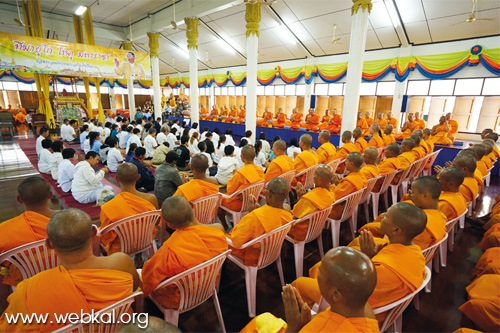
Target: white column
<point>251,116</point>
<point>307,98</point>
<point>399,91</point>
<point>131,99</point>
<point>211,96</point>
<point>193,85</point>
<point>155,72</point>
<point>112,102</point>
<point>354,69</point>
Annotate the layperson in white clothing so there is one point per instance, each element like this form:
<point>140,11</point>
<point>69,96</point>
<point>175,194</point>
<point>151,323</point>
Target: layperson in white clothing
<point>64,129</point>
<point>150,143</point>
<point>115,157</point>
<point>177,127</point>
<point>171,138</point>
<point>124,136</point>
<point>134,138</point>
<point>162,136</point>
<point>227,166</point>
<point>215,137</point>
<point>66,170</point>
<point>229,137</point>
<point>56,158</point>
<point>266,147</point>
<point>44,134</point>
<point>87,184</point>
<point>202,147</point>
<point>204,134</point>
<point>45,156</point>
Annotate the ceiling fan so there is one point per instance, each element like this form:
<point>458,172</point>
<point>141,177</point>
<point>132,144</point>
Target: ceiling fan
<point>208,61</point>
<point>174,25</point>
<point>472,16</point>
<point>335,39</point>
<point>131,39</point>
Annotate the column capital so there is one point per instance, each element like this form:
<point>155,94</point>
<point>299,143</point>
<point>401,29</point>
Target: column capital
<point>192,32</point>
<point>252,16</point>
<point>127,46</point>
<point>153,43</point>
<point>364,4</point>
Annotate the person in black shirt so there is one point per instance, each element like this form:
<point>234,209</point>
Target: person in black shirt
<point>147,180</point>
<point>157,125</point>
<point>208,142</point>
<point>184,154</point>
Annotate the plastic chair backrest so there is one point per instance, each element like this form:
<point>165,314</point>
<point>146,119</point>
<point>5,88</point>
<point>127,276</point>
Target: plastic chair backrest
<point>351,202</point>
<point>206,208</point>
<point>429,252</point>
<point>196,284</point>
<point>116,310</point>
<point>424,163</point>
<point>387,181</point>
<point>316,223</point>
<point>370,183</point>
<point>381,151</point>
<point>135,232</point>
<point>335,163</point>
<point>415,168</point>
<point>288,176</point>
<point>309,173</point>
<point>31,259</point>
<point>451,223</point>
<point>251,190</point>
<point>404,174</point>
<point>396,308</point>
<point>434,156</point>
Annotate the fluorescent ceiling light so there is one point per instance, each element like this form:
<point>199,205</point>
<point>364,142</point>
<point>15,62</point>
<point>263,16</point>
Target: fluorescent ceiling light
<point>225,45</point>
<point>80,10</point>
<point>389,4</point>
<point>286,36</point>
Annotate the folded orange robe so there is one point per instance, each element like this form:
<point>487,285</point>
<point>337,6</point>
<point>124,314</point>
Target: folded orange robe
<point>442,136</point>
<point>487,161</point>
<point>248,175</point>
<point>265,117</point>
<point>489,263</point>
<point>353,182</point>
<point>376,141</point>
<point>388,165</point>
<point>342,153</point>
<point>421,123</point>
<point>296,120</point>
<point>326,153</point>
<point>419,152</point>
<point>361,144</point>
<point>313,125</point>
<point>196,189</point>
<point>256,223</point>
<point>478,176</point>
<point>361,123</point>
<point>185,249</point>
<point>59,291</point>
<point>335,124</point>
<point>483,307</point>
<point>453,125</point>
<point>389,139</point>
<point>123,205</point>
<point>469,189</point>
<point>317,199</point>
<point>383,123</point>
<point>491,238</point>
<point>452,204</point>
<point>325,123</point>
<point>303,161</point>
<point>370,171</point>
<point>280,165</point>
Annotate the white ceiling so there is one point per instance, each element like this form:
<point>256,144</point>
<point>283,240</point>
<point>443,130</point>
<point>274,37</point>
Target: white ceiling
<point>311,21</point>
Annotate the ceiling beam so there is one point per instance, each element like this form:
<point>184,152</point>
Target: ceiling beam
<point>220,37</point>
<point>181,49</point>
<point>397,22</point>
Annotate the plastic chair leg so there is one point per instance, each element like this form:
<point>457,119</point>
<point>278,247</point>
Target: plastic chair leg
<point>416,302</point>
<point>443,254</point>
<point>386,201</point>
<point>251,285</point>
<point>398,324</point>
<point>461,222</point>
<point>298,251</point>
<point>172,316</point>
<point>352,223</point>
<point>335,225</point>
<point>429,285</point>
<point>320,246</point>
<point>367,213</point>
<point>451,239</point>
<point>375,200</point>
<point>218,310</point>
<point>280,271</point>
<point>236,218</point>
<point>394,192</point>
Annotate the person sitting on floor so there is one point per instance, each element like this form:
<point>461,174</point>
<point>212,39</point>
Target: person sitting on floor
<point>115,157</point>
<point>44,134</point>
<point>56,158</point>
<point>370,169</point>
<point>127,203</point>
<point>227,166</point>
<point>147,179</point>
<point>45,156</point>
<point>86,185</point>
<point>66,170</point>
<point>81,283</point>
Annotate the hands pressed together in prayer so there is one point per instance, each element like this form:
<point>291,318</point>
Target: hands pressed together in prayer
<point>184,177</point>
<point>367,244</point>
<point>300,190</point>
<point>253,203</point>
<point>297,312</point>
<point>335,180</point>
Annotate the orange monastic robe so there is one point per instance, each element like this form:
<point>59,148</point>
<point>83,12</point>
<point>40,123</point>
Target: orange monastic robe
<point>425,147</point>
<point>121,206</point>
<point>317,199</point>
<point>442,136</point>
<point>370,171</point>
<point>487,161</point>
<point>376,141</point>
<point>256,223</point>
<point>303,161</point>
<point>325,121</point>
<point>383,123</point>
<point>405,135</point>
<point>280,165</point>
<point>419,152</point>
<point>482,167</point>
<point>491,238</point>
<point>361,123</point>
<point>453,125</point>
<point>183,250</point>
<point>214,114</point>
<point>353,182</point>
<point>203,113</point>
<point>314,124</point>
<point>296,120</point>
<point>389,139</point>
<point>361,144</point>
<point>406,158</point>
<point>388,165</point>
<point>489,263</point>
<point>452,204</point>
<point>326,153</point>
<point>249,174</point>
<point>58,291</point>
<point>429,143</point>
<point>369,121</point>
<point>265,117</point>
<point>241,116</point>
<point>421,124</point>
<point>343,152</point>
<point>394,122</point>
<point>196,189</point>
<point>20,118</point>
<point>483,307</point>
<point>232,114</point>
<point>335,124</point>
<point>478,176</point>
<point>469,189</point>
<point>281,120</point>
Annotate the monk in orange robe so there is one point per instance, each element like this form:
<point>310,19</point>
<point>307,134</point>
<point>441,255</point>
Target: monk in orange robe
<point>326,152</point>
<point>469,187</point>
<point>489,158</point>
<point>483,307</point>
<point>407,157</point>
<point>347,147</point>
<point>480,151</point>
<point>307,158</point>
<point>203,112</point>
<point>296,119</point>
<point>376,140</point>
<point>281,164</point>
<point>381,122</point>
<point>349,312</point>
<point>361,123</point>
<point>266,116</point>
<point>407,129</point>
<point>489,263</point>
<point>453,125</point>
<point>335,122</point>
<point>399,265</point>
<point>491,238</point>
<point>391,161</point>
<point>369,120</point>
<point>260,220</point>
<point>201,185</point>
<point>280,118</point>
<point>128,203</point>
<point>214,113</point>
<point>451,202</point>
<point>370,157</point>
<point>20,117</point>
<point>319,198</point>
<point>494,217</point>
<point>82,283</point>
<point>360,142</point>
<point>248,175</point>
<point>312,121</point>
<point>353,182</point>
<point>440,132</point>
<point>421,122</point>
<point>424,194</point>
<point>34,193</point>
<point>391,120</point>
<point>325,121</point>
<point>241,115</point>
<point>190,244</point>
<point>388,136</point>
<point>494,138</point>
<point>233,114</point>
<point>417,150</point>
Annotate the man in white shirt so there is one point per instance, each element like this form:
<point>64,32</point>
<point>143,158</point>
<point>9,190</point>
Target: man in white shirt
<point>162,137</point>
<point>99,129</point>
<point>229,137</point>
<point>150,143</point>
<point>66,170</point>
<point>115,157</point>
<point>124,136</point>
<point>139,124</point>
<point>71,133</point>
<point>44,134</point>
<point>177,128</point>
<point>45,156</point>
<point>134,138</point>
<point>215,137</point>
<point>227,166</point>
<point>171,138</point>
<point>203,135</point>
<point>56,158</point>
<point>107,131</point>
<point>86,185</point>
<point>64,129</point>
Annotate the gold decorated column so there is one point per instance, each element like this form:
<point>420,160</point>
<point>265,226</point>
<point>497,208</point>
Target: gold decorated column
<point>155,72</point>
<point>77,24</point>
<point>252,17</point>
<point>192,45</point>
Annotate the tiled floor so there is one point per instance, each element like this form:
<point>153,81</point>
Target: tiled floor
<point>438,310</point>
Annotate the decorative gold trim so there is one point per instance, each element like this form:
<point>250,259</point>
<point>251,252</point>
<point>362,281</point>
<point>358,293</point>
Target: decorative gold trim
<point>252,16</point>
<point>192,32</point>
<point>127,46</point>
<point>364,4</point>
<point>153,43</point>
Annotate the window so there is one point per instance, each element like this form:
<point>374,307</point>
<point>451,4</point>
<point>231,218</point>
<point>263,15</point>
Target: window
<point>289,90</point>
<point>386,88</point>
<point>223,91</point>
<point>442,87</point>
<point>335,89</point>
<point>187,92</point>
<point>470,87</point>
<point>217,91</point>
<point>260,91</point>
<point>300,90</point>
<point>231,91</point>
<point>416,88</point>
<point>321,89</point>
<point>238,91</point>
<point>244,91</point>
<point>9,85</point>
<point>26,87</point>
<point>279,90</point>
<point>368,88</point>
<point>491,86</point>
<point>269,90</point>
<point>104,89</point>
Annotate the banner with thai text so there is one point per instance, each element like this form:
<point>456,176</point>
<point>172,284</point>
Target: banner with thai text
<point>48,56</point>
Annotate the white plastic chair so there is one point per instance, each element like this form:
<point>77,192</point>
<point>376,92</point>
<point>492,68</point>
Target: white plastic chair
<point>394,318</point>
<point>195,285</point>
<point>205,209</point>
<point>395,188</point>
<point>288,176</point>
<point>365,198</point>
<point>309,173</point>
<point>422,166</point>
<point>270,251</point>
<point>471,205</point>
<point>381,151</point>
<point>375,196</point>
<point>335,163</point>
<point>428,172</point>
<point>317,221</point>
<point>430,258</point>
<point>251,190</point>
<point>31,259</point>
<point>450,229</point>
<point>116,309</point>
<point>349,213</point>
<point>135,232</point>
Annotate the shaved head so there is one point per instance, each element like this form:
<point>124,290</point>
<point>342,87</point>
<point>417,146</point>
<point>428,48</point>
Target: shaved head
<point>468,151</point>
<point>325,135</point>
<point>306,139</point>
<point>492,136</point>
<point>427,131</point>
<point>70,230</point>
<point>408,142</point>
<point>34,190</point>
<point>370,155</point>
<point>278,187</point>
<point>488,144</point>
<point>480,150</point>
<point>348,272</point>
<point>393,148</point>
<point>411,219</point>
<point>177,211</point>
<point>388,129</point>
<point>280,145</point>
<point>416,139</point>
<point>347,135</point>
<point>375,128</point>
<point>324,172</point>
<point>453,176</point>
<point>248,152</point>
<point>465,161</point>
<point>356,158</point>
<point>428,184</point>
<point>199,163</point>
<point>357,132</point>
<point>127,173</point>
